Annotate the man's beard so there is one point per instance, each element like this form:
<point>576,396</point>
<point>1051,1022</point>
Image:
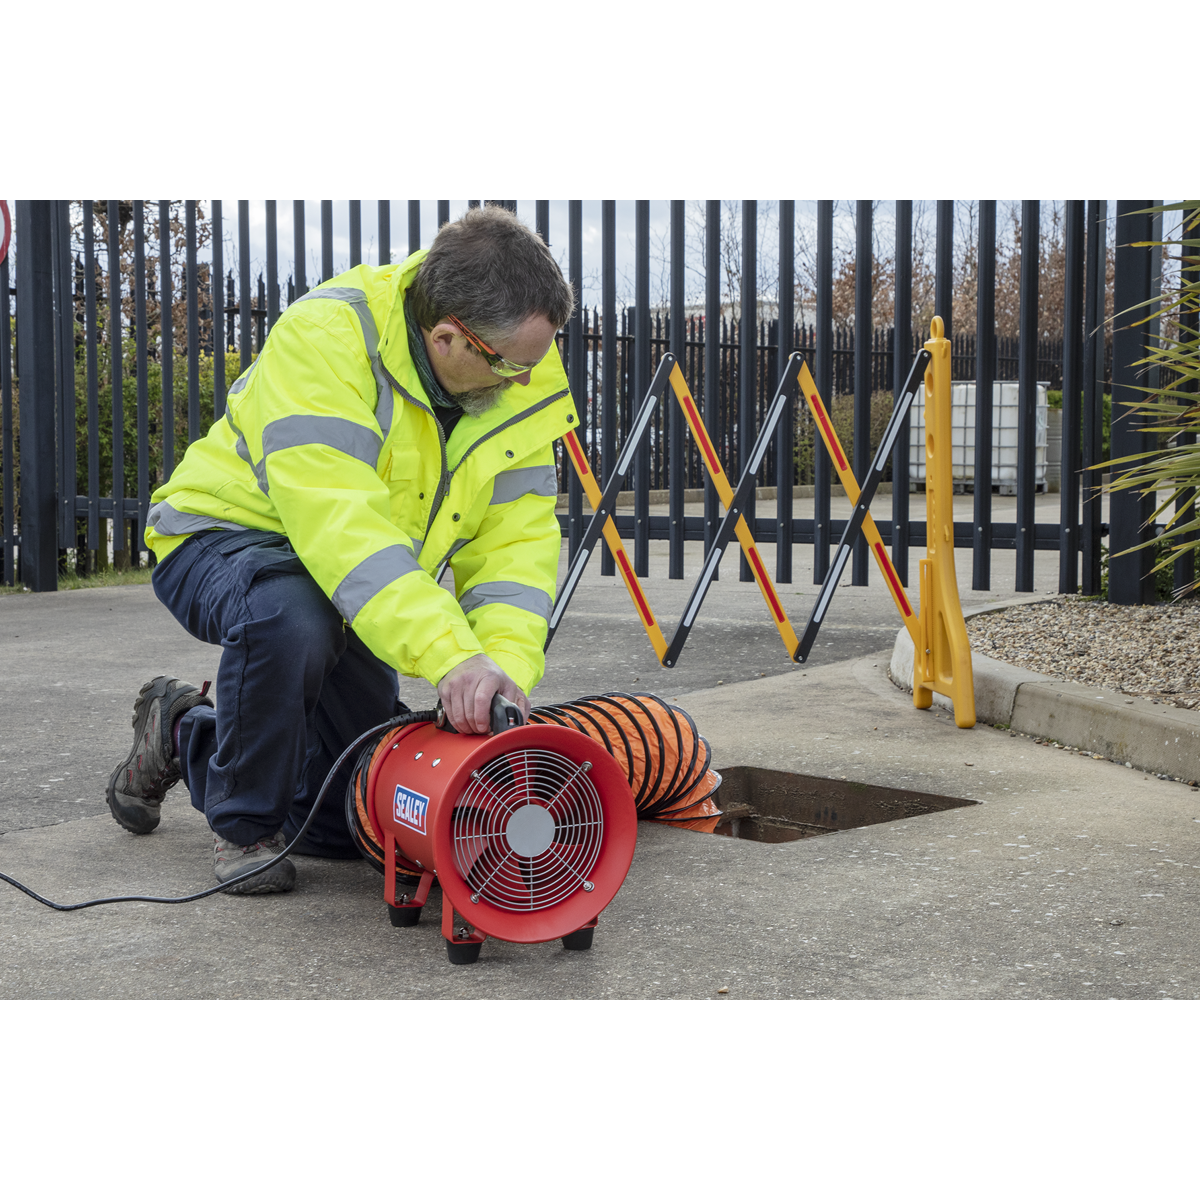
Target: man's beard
<point>478,400</point>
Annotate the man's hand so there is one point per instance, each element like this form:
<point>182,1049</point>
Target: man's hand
<point>466,693</point>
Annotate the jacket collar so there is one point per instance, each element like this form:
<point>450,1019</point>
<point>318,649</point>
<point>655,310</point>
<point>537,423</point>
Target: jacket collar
<point>547,379</point>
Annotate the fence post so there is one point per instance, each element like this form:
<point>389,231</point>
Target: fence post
<point>822,467</point>
<point>414,226</point>
<point>1131,577</point>
<point>1027,394</point>
<point>245,338</point>
<point>863,256</point>
<point>748,361</point>
<point>385,232</point>
<point>985,374</point>
<point>355,233</point>
<point>608,286</point>
<point>326,240</point>
<point>712,358</point>
<point>6,433</point>
<point>166,332</point>
<point>35,354</point>
<point>675,421</point>
<point>298,274</point>
<point>65,330</point>
<point>260,334</point>
<point>901,356</point>
<point>577,371</point>
<point>1189,331</point>
<point>785,437</point>
<point>116,362</point>
<point>641,382</point>
<point>216,288</point>
<point>141,335</point>
<point>1072,351</point>
<point>1093,389</point>
<point>272,266</point>
<point>193,322</point>
<point>943,288</point>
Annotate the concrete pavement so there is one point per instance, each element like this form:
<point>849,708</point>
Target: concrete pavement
<point>1069,876</point>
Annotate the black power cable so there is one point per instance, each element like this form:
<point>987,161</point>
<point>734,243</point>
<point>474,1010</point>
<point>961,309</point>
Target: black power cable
<point>410,718</point>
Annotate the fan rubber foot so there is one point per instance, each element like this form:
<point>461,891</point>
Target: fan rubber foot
<point>581,939</point>
<point>402,918</point>
<point>463,953</point>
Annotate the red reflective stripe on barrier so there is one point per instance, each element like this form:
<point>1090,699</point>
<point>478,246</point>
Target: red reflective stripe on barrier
<point>830,437</point>
<point>893,580</point>
<point>577,454</point>
<point>638,598</point>
<point>761,572</point>
<point>701,433</point>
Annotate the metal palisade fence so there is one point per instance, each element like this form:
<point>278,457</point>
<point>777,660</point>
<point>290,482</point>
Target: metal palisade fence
<point>109,374</point>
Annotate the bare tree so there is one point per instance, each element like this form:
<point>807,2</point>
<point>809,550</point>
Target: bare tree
<point>177,233</point>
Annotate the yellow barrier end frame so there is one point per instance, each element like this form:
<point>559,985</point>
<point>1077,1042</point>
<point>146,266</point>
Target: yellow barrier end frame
<point>942,659</point>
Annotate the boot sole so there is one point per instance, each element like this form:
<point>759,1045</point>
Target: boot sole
<point>278,879</point>
<point>140,817</point>
<point>134,817</point>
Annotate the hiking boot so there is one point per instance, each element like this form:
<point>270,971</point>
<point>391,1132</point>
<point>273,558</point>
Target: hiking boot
<point>137,787</point>
<point>232,861</point>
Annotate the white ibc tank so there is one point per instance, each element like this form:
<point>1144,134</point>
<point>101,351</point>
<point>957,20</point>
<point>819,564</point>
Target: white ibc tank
<point>962,436</point>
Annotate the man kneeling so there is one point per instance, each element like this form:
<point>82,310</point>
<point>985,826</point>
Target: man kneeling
<point>377,438</point>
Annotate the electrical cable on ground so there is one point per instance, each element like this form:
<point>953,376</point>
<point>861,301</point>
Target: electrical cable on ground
<point>665,760</point>
<point>410,718</point>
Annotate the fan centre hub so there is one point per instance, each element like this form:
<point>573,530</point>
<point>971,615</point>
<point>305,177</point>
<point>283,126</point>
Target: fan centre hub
<point>530,830</point>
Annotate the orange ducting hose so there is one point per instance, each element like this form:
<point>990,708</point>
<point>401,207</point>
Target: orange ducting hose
<point>664,757</point>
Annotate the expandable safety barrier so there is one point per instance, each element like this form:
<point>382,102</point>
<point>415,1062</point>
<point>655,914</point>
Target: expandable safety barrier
<point>734,522</point>
<point>943,652</point>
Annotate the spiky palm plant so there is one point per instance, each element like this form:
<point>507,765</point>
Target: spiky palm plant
<point>1171,411</point>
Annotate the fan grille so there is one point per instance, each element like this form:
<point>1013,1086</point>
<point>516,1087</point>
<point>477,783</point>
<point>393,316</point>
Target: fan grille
<point>527,830</point>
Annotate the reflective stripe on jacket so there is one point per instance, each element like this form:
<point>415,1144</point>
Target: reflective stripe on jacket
<point>329,438</point>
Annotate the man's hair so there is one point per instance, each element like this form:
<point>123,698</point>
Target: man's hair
<point>492,273</point>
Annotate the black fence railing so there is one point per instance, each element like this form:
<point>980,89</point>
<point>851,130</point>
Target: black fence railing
<point>108,375</point>
<point>767,370</point>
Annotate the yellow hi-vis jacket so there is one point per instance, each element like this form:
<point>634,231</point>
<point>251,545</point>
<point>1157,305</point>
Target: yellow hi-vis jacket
<point>330,440</point>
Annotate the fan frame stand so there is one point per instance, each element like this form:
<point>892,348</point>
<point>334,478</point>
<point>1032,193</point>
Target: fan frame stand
<point>581,939</point>
<point>402,911</point>
<point>461,950</point>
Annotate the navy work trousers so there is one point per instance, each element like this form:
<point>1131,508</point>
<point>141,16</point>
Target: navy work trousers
<point>295,687</point>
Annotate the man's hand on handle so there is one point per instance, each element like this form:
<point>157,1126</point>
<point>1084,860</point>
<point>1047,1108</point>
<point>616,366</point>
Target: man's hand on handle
<point>466,693</point>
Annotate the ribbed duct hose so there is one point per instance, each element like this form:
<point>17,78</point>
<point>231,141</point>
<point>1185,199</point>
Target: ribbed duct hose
<point>655,743</point>
<point>664,757</point>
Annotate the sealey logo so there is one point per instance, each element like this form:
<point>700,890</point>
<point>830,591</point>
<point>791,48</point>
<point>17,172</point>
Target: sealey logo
<point>410,808</point>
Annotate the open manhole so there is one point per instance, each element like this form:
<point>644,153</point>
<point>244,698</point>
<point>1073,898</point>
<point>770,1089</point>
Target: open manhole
<point>781,806</point>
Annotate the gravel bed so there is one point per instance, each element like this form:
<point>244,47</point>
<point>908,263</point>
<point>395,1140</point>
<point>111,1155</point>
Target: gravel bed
<point>1151,651</point>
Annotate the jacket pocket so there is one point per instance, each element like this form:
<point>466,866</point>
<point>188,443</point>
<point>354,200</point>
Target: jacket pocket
<point>257,554</point>
<point>405,463</point>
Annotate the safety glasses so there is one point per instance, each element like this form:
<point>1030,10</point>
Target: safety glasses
<point>500,365</point>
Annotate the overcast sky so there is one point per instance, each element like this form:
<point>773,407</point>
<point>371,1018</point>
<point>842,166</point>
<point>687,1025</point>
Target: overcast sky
<point>768,247</point>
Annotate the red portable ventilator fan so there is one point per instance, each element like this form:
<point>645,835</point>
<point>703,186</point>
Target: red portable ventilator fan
<point>530,833</point>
